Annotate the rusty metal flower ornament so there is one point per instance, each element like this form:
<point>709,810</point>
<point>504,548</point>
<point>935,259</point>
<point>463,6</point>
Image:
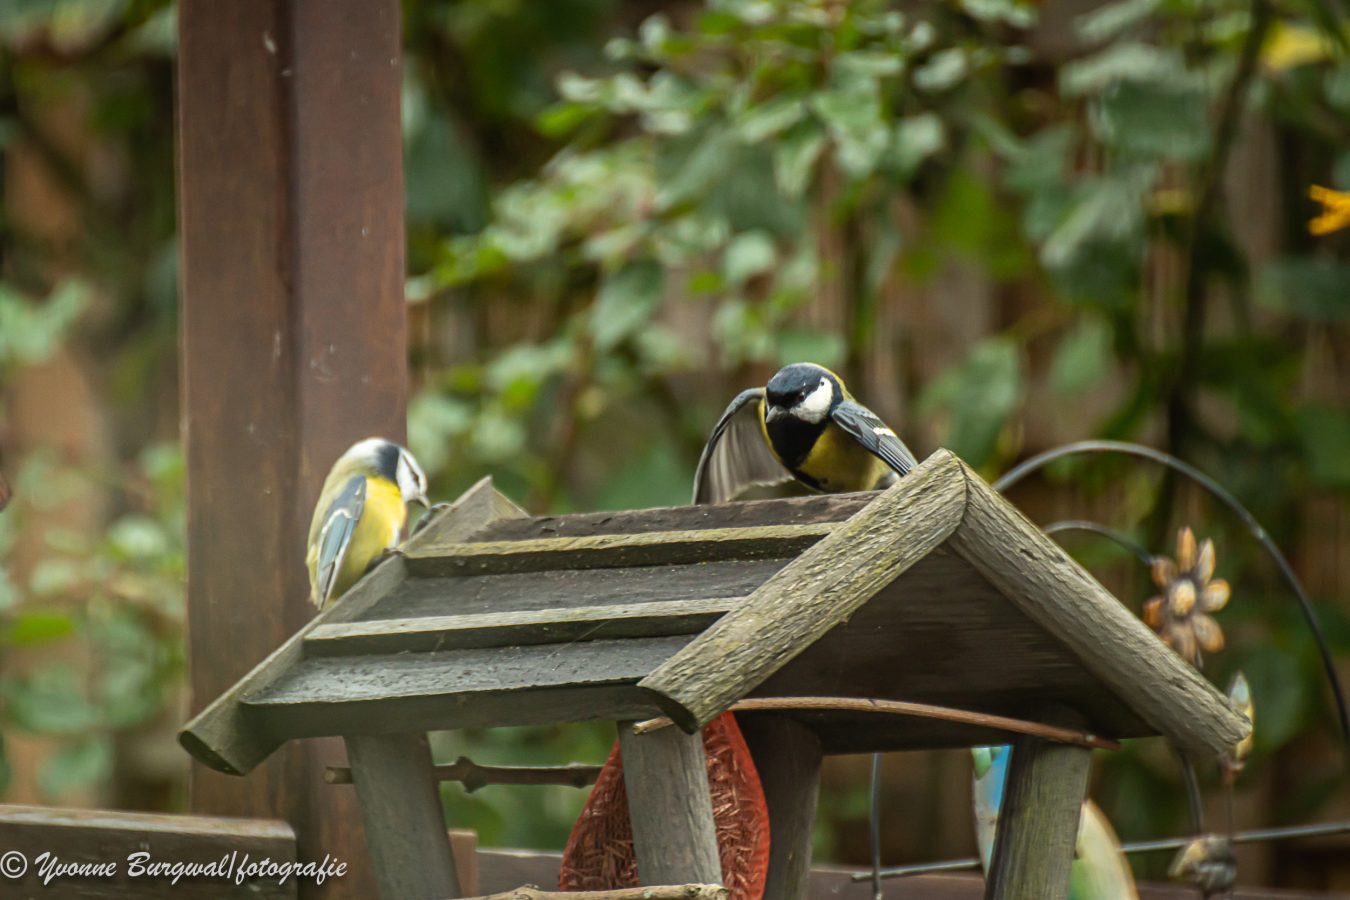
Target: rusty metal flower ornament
<point>1190,593</point>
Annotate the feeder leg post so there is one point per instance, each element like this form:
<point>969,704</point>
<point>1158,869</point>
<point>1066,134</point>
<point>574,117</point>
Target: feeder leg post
<point>787,756</point>
<point>670,806</point>
<point>1038,822</point>
<point>401,807</point>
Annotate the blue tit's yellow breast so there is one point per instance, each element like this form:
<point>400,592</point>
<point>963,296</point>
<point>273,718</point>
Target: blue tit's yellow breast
<point>378,529</point>
<point>837,463</point>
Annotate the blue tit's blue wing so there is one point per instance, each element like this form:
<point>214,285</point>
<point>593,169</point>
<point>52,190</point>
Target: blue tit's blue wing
<point>336,536</point>
<point>867,429</point>
<point>737,456</point>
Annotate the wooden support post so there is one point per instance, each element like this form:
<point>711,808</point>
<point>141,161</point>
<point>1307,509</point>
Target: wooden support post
<point>293,343</point>
<point>787,756</point>
<point>670,806</point>
<point>401,808</point>
<point>1038,822</point>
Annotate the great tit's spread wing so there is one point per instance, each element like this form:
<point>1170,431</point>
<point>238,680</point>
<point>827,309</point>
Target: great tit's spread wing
<point>879,440</point>
<point>336,535</point>
<point>737,456</point>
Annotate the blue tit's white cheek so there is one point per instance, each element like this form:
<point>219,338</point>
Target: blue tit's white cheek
<point>816,405</point>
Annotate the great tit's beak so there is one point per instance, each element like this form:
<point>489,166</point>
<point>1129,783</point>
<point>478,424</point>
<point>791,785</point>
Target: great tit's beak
<point>773,412</point>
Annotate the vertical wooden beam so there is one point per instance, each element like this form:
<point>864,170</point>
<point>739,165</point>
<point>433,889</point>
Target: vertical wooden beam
<point>787,756</point>
<point>1038,822</point>
<point>670,806</point>
<point>401,808</point>
<point>293,341</point>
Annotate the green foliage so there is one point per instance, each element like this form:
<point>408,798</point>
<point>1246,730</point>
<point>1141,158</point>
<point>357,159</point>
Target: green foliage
<point>611,229</point>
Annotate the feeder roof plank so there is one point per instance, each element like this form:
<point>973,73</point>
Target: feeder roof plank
<point>222,735</point>
<point>479,687</point>
<point>562,589</point>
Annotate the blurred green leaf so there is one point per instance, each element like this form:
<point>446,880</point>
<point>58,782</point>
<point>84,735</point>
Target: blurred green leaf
<point>1154,119</point>
<point>75,766</point>
<point>748,255</point>
<point>626,303</point>
<point>31,627</point>
<point>1315,288</point>
<point>824,348</point>
<point>1082,358</point>
<point>1325,435</point>
<point>973,401</point>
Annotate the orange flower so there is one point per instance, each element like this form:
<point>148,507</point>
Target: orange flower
<point>1335,213</point>
<point>1181,614</point>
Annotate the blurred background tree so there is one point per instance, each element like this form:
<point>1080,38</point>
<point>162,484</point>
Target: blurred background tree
<point>1008,226</point>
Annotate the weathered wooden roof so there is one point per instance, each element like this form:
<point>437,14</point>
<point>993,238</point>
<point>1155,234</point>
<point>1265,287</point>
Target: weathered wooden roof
<point>936,590</point>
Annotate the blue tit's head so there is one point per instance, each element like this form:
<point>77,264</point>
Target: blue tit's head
<point>385,459</point>
<point>804,391</point>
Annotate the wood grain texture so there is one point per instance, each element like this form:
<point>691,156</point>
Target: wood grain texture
<point>670,807</point>
<point>787,756</point>
<point>753,513</point>
<point>102,836</point>
<point>224,737</point>
<point>549,591</point>
<point>1038,822</point>
<point>1118,649</point>
<point>614,550</point>
<point>491,687</point>
<point>562,624</point>
<point>293,337</point>
<point>401,808</point>
<point>811,595</point>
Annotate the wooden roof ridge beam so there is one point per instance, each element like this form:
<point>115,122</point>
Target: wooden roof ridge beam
<point>811,595</point>
<point>221,737</point>
<point>943,500</point>
<point>1112,643</point>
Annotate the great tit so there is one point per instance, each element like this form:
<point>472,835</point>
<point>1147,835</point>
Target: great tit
<point>803,425</point>
<point>360,514</point>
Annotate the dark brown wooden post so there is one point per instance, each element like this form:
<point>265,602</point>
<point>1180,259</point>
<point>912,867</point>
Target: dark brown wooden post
<point>787,756</point>
<point>293,342</point>
<point>670,806</point>
<point>1038,822</point>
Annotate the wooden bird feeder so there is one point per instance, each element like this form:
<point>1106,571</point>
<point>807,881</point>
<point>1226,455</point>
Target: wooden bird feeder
<point>935,591</point>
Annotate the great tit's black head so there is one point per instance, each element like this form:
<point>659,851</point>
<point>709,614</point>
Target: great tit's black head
<point>804,391</point>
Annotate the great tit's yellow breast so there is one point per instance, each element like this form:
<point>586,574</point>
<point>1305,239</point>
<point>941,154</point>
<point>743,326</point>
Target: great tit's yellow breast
<point>837,463</point>
<point>377,530</point>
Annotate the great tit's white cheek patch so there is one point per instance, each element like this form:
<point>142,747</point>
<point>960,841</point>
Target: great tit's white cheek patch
<point>816,405</point>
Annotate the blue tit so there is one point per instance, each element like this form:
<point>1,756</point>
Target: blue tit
<point>361,513</point>
<point>805,425</point>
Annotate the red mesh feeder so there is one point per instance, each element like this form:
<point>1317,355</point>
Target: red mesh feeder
<point>599,854</point>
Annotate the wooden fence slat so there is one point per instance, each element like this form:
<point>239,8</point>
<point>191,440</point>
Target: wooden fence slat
<point>787,756</point>
<point>106,836</point>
